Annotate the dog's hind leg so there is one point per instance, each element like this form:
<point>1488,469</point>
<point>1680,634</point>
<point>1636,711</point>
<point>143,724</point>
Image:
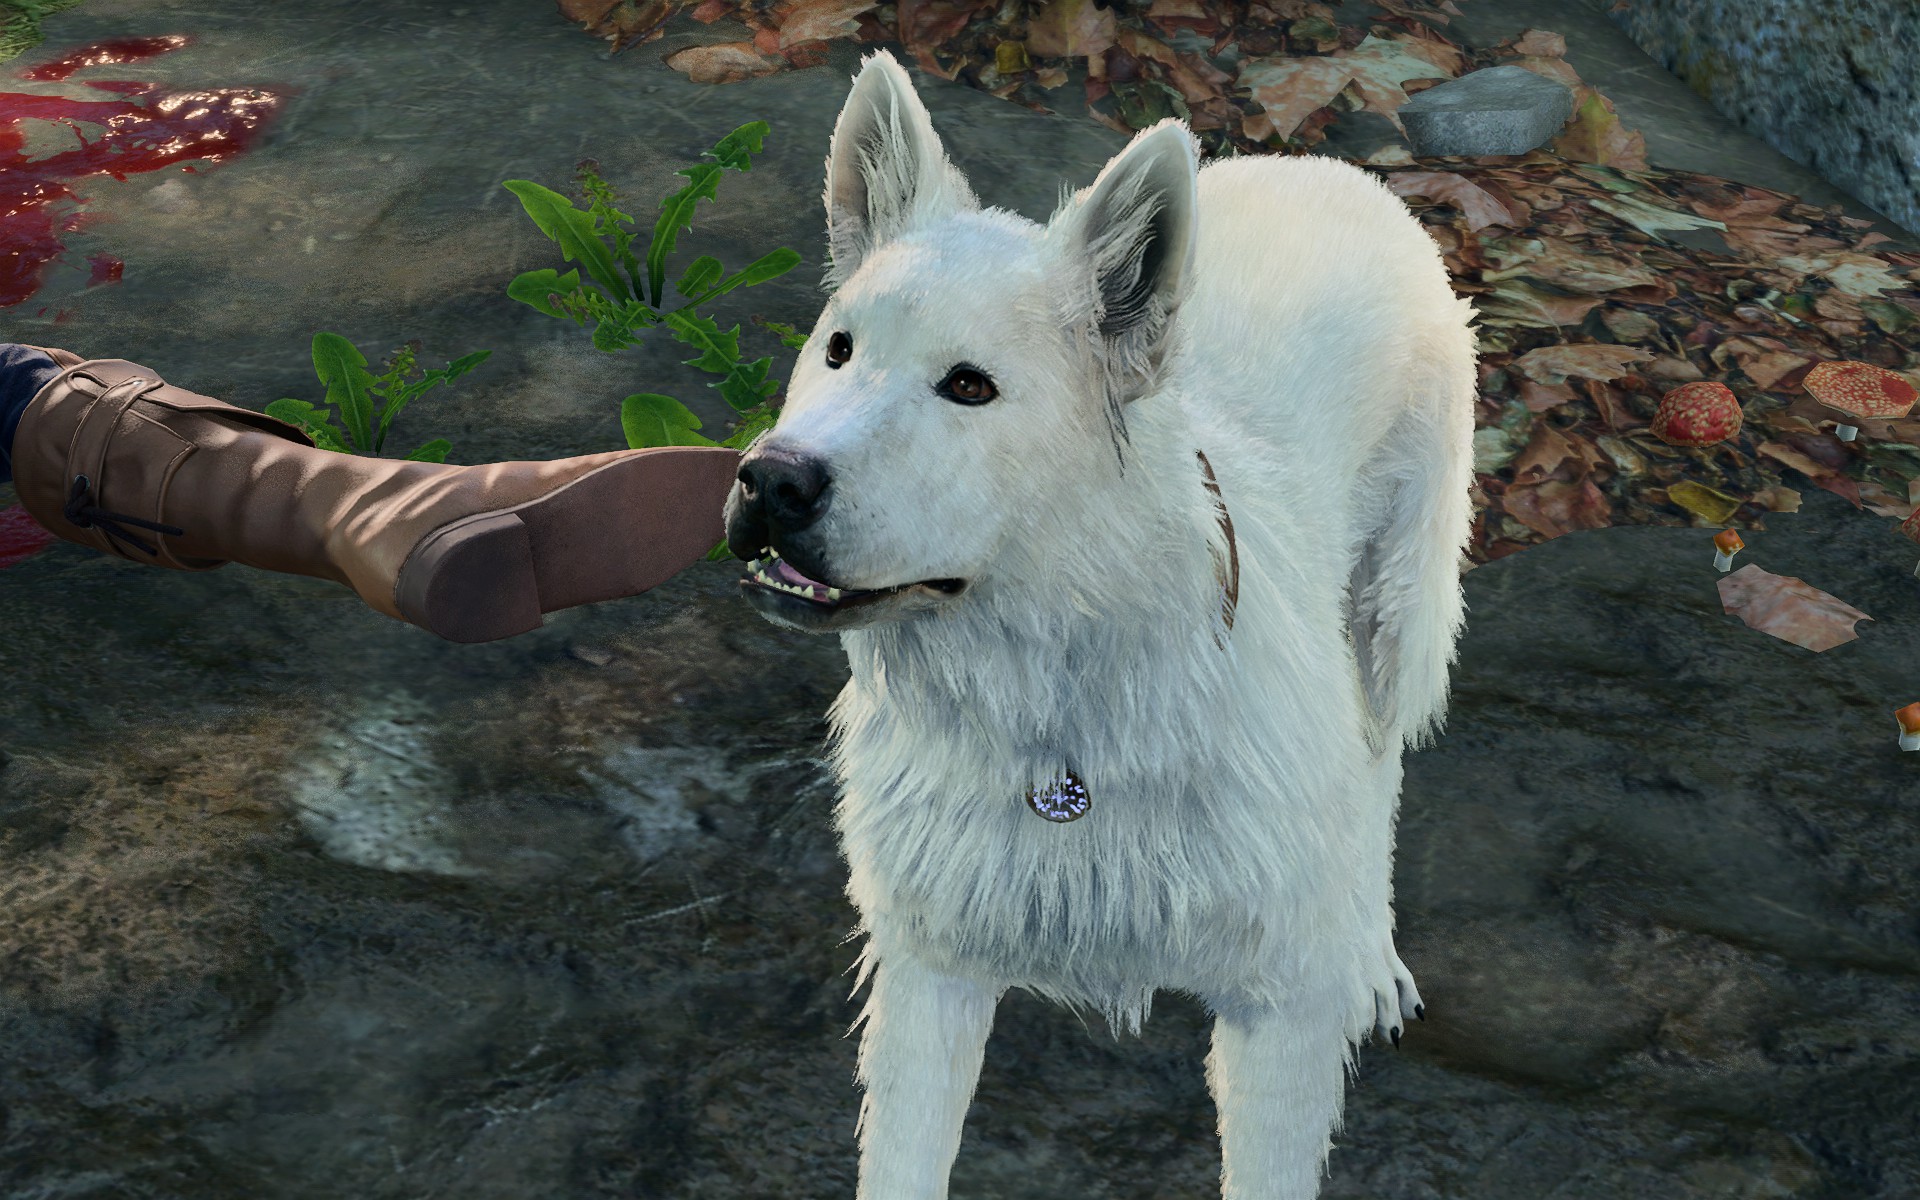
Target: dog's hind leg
<point>1408,606</point>
<point>1278,1074</point>
<point>920,1054</point>
<point>1396,999</point>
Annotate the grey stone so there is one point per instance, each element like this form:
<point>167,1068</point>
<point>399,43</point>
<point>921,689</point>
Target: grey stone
<point>1500,110</point>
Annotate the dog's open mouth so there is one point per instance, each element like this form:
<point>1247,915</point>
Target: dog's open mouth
<point>775,574</point>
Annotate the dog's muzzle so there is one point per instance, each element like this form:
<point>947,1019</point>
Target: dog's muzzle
<point>781,495</point>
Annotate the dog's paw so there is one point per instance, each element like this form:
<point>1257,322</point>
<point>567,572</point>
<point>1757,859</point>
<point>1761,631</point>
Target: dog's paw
<point>1395,998</point>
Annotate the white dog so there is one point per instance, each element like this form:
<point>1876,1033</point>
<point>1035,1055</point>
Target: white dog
<point>1142,533</point>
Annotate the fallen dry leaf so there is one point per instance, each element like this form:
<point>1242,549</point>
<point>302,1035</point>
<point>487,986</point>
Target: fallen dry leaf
<point>823,20</point>
<point>1558,262</point>
<point>1555,507</point>
<point>1515,302</point>
<point>1854,274</point>
<point>1788,456</point>
<point>1539,397</point>
<point>1669,369</point>
<point>1070,28</point>
<point>1292,89</point>
<point>1591,360</point>
<point>1541,43</point>
<point>1543,455</point>
<point>726,62</point>
<point>622,22</point>
<point>1596,135</point>
<point>1884,501</point>
<point>1713,506</point>
<point>1480,207</point>
<point>1787,608</point>
<point>1650,218</point>
<point>1172,15</point>
<point>925,25</point>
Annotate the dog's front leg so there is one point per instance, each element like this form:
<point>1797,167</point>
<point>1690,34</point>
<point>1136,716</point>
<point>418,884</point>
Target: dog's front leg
<point>919,1061</point>
<point>1278,1078</point>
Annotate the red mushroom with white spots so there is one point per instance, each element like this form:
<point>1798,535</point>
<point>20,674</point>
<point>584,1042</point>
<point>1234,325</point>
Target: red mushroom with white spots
<point>1860,391</point>
<point>1726,544</point>
<point>1697,414</point>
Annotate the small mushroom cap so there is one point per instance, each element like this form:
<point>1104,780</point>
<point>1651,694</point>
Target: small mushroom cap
<point>1697,414</point>
<point>1909,718</point>
<point>1910,528</point>
<point>1860,389</point>
<point>1727,541</point>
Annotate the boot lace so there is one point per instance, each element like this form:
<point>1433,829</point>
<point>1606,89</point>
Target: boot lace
<point>83,512</point>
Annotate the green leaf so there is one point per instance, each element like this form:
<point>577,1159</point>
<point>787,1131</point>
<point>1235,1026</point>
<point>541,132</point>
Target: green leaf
<point>733,149</point>
<point>344,370</point>
<point>615,331</point>
<point>788,336</point>
<point>676,211</point>
<point>433,451</point>
<point>718,351</point>
<point>752,424</point>
<point>769,266</point>
<point>701,273</point>
<point>676,214</point>
<point>300,413</point>
<point>747,385</point>
<point>719,553</point>
<point>574,230</point>
<point>606,221</point>
<point>650,419</point>
<point>406,393</point>
<point>536,288</point>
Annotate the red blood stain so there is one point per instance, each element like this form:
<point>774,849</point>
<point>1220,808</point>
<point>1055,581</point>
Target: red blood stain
<point>20,536</point>
<point>151,129</point>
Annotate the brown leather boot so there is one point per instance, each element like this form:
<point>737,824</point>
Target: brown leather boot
<point>109,455</point>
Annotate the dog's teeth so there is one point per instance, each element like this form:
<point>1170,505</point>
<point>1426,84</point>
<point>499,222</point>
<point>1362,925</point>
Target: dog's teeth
<point>833,593</point>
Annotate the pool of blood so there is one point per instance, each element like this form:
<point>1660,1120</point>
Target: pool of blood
<point>144,128</point>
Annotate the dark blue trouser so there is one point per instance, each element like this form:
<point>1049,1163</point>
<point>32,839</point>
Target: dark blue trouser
<point>23,373</point>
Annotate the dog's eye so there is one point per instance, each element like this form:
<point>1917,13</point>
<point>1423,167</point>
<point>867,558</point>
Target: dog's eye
<point>839,348</point>
<point>967,385</point>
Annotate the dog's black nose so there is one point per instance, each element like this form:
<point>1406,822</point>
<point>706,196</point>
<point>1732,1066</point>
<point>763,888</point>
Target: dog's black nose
<point>782,489</point>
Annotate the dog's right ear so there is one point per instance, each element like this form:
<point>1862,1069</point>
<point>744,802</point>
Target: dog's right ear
<point>886,170</point>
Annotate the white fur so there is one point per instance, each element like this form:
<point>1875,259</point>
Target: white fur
<point>1299,328</point>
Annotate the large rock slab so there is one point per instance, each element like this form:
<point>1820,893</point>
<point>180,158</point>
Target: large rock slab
<point>1829,85</point>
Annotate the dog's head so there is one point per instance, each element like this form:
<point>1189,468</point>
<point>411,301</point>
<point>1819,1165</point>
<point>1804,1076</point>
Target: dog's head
<point>970,372</point>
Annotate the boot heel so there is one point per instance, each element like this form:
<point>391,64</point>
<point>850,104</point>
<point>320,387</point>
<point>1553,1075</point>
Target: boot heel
<point>472,581</point>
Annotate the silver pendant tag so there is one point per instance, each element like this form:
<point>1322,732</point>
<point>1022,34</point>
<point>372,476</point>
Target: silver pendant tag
<point>1062,800</point>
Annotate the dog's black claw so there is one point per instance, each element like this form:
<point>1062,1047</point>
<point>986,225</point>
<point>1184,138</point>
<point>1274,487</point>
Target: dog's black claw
<point>1420,1010</point>
<point>1396,1037</point>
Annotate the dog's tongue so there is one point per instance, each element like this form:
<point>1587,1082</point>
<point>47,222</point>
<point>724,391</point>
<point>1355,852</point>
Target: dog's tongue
<point>784,572</point>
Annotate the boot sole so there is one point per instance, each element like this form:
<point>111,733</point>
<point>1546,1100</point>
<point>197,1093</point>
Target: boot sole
<point>618,530</point>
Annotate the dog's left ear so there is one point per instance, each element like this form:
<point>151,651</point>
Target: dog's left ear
<point>886,169</point>
<point>1135,228</point>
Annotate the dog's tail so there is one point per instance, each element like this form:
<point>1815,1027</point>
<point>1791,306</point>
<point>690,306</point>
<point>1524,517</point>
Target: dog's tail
<point>1408,607</point>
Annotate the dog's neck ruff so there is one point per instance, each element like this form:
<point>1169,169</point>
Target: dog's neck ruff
<point>1066,799</point>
